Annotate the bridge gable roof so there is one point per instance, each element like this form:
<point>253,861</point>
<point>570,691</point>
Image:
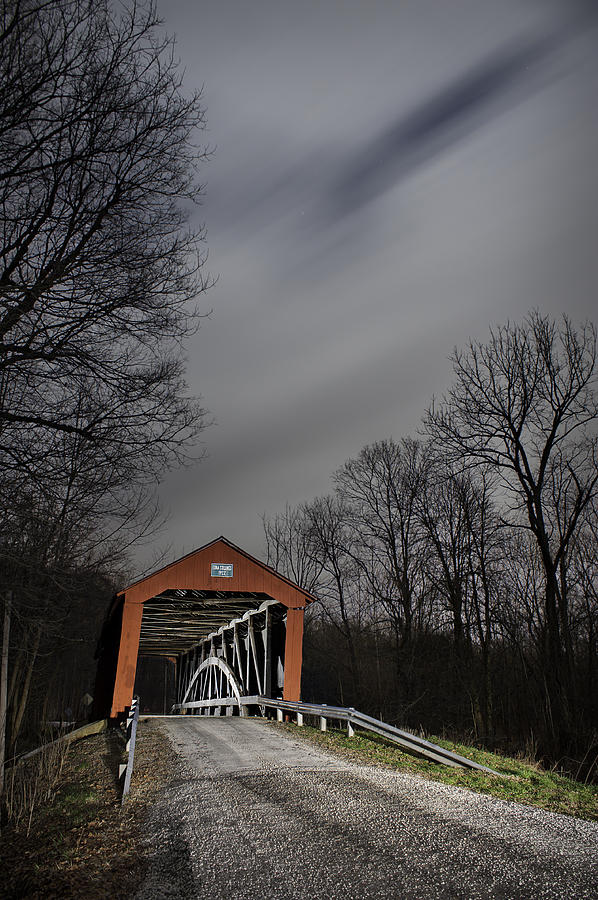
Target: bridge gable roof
<point>193,572</point>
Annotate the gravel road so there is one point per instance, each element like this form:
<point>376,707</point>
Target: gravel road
<point>254,813</point>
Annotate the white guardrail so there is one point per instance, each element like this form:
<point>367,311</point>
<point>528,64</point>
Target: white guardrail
<point>125,770</point>
<point>411,743</point>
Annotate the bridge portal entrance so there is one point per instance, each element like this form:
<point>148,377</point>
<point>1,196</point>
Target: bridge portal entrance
<point>232,626</point>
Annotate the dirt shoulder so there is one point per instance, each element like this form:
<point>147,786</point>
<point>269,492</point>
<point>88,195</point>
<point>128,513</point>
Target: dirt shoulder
<point>83,843</point>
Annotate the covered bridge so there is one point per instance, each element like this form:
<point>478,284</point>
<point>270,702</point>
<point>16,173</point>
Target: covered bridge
<point>232,624</point>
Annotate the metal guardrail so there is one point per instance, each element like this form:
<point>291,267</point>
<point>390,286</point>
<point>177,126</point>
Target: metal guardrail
<point>413,744</point>
<point>125,770</point>
<point>410,742</point>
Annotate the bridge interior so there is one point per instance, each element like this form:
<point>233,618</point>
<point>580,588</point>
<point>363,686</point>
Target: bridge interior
<point>175,620</point>
<point>244,657</point>
<point>225,644</point>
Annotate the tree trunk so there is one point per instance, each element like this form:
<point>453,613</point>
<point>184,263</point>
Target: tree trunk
<point>566,642</point>
<point>557,707</point>
<point>20,709</point>
<point>353,664</point>
<point>4,685</point>
<point>488,712</point>
<point>15,675</point>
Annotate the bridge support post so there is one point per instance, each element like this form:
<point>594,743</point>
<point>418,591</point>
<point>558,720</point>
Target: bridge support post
<point>124,682</point>
<point>293,655</point>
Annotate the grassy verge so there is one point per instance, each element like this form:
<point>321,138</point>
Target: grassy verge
<point>82,844</point>
<point>519,781</point>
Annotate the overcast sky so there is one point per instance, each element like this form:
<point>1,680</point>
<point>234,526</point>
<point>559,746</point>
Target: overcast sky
<point>390,177</point>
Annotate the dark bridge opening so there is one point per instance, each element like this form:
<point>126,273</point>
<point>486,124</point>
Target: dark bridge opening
<point>155,683</point>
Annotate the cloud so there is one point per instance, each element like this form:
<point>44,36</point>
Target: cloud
<point>433,126</point>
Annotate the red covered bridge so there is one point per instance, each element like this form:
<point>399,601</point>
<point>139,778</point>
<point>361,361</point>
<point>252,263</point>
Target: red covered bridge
<point>233,625</point>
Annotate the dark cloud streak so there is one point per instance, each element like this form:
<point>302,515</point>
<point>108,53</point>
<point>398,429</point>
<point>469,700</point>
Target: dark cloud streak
<point>431,128</point>
<point>482,93</point>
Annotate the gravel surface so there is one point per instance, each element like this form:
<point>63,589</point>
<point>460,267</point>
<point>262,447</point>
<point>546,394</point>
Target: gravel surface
<point>253,813</point>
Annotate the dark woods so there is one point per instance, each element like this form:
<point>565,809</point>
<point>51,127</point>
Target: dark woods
<point>99,272</point>
<point>458,573</point>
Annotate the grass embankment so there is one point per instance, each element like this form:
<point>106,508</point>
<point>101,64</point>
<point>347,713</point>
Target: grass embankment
<point>82,844</point>
<point>520,781</point>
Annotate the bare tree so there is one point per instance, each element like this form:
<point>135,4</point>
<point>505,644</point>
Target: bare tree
<point>329,543</point>
<point>525,404</point>
<point>287,547</point>
<point>380,488</point>
<point>98,267</point>
<point>487,552</point>
<point>445,511</point>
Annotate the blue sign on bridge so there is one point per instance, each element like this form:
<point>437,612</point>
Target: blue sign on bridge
<point>222,570</point>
